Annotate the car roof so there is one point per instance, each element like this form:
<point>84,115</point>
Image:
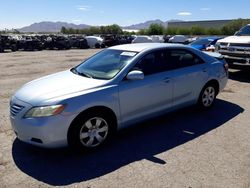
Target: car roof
<point>139,47</point>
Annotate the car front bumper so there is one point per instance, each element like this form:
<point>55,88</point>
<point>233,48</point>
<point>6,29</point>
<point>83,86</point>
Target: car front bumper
<point>48,132</point>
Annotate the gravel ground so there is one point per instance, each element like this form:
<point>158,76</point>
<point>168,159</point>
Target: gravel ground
<point>187,148</point>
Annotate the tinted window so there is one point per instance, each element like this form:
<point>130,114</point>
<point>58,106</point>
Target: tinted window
<point>182,58</point>
<point>152,63</point>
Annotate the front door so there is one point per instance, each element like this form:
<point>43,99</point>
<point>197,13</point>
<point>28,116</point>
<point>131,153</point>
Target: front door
<point>141,99</point>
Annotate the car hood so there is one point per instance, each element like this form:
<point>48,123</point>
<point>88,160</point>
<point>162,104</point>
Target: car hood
<point>56,85</point>
<point>236,39</point>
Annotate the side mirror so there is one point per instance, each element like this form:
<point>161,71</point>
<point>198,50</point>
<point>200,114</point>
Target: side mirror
<point>135,75</point>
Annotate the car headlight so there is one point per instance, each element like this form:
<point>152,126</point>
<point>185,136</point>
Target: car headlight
<point>44,111</point>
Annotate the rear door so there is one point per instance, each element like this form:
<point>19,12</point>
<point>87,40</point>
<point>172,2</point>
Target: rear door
<point>190,75</point>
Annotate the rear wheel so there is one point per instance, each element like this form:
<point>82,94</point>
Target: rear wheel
<point>97,45</point>
<point>90,131</point>
<point>207,96</point>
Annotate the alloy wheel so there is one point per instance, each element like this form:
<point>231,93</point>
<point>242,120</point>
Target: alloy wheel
<point>93,132</point>
<point>208,96</point>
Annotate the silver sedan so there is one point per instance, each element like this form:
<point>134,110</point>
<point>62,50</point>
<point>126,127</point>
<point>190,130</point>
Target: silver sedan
<point>113,89</point>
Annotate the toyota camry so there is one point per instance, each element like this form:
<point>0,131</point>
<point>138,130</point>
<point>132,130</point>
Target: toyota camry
<point>117,87</point>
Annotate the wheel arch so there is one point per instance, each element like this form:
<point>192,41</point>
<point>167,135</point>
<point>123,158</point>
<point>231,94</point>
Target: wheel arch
<point>103,109</point>
<point>215,83</point>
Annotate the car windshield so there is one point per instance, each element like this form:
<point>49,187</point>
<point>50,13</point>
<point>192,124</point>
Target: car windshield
<point>201,42</point>
<point>105,64</point>
<point>245,31</point>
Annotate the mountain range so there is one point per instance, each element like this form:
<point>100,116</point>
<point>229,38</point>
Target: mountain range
<point>51,27</point>
<point>56,26</point>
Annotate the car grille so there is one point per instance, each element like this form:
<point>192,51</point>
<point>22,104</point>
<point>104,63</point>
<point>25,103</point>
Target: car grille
<point>239,45</point>
<point>15,109</point>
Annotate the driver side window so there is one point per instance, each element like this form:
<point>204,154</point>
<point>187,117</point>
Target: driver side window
<point>152,63</point>
<point>146,64</point>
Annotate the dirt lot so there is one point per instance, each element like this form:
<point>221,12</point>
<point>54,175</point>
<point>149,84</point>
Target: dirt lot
<point>187,148</point>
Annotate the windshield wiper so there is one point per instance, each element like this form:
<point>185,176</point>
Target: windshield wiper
<point>81,73</point>
<point>85,74</point>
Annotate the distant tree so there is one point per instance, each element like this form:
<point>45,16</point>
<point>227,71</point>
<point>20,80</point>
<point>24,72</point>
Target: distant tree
<point>235,25</point>
<point>142,32</point>
<point>103,30</point>
<point>155,29</point>
<point>213,31</point>
<point>183,31</point>
<point>94,30</point>
<point>114,29</point>
<point>64,30</point>
<point>158,29</point>
<point>197,30</point>
<point>171,31</point>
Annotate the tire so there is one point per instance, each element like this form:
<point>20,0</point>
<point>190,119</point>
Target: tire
<point>97,45</point>
<point>13,48</point>
<point>90,130</point>
<point>207,96</point>
<point>103,45</point>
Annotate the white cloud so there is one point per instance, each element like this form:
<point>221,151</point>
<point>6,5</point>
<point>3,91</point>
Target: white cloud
<point>184,14</point>
<point>205,9</point>
<point>83,8</point>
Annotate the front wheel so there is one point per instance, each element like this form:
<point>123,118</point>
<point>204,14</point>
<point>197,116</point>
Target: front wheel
<point>89,131</point>
<point>207,97</point>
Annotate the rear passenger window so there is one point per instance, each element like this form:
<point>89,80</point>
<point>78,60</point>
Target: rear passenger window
<point>182,58</point>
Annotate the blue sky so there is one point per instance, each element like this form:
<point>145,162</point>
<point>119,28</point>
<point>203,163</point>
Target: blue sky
<point>18,13</point>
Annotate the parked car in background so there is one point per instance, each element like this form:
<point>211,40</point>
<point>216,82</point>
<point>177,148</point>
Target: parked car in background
<point>78,41</point>
<point>181,39</point>
<point>142,39</point>
<point>113,89</point>
<point>166,38</point>
<point>8,43</point>
<point>126,39</point>
<point>94,42</point>
<point>192,39</point>
<point>59,42</point>
<point>157,38</point>
<point>236,49</point>
<point>30,43</point>
<point>205,43</point>
<point>111,40</point>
